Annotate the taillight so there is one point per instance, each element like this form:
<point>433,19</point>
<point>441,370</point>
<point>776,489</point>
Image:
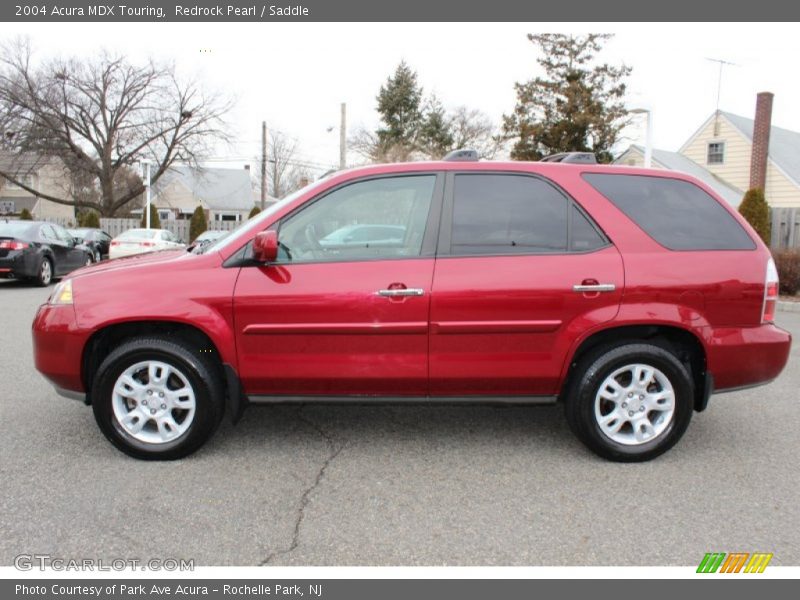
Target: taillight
<point>13,245</point>
<point>148,244</point>
<point>770,293</point>
<point>115,243</point>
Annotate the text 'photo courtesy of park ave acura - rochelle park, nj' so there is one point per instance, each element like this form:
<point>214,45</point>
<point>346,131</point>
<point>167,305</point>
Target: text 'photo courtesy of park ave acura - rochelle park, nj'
<point>298,305</point>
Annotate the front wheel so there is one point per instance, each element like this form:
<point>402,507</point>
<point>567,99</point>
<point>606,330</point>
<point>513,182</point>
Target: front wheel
<point>157,398</point>
<point>630,403</point>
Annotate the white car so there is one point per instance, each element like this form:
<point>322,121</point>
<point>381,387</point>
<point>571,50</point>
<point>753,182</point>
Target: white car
<point>139,241</point>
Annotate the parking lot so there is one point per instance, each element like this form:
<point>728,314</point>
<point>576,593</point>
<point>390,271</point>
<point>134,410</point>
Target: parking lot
<point>359,485</point>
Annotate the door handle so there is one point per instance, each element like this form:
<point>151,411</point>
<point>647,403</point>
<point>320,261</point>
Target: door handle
<point>593,287</point>
<point>394,293</point>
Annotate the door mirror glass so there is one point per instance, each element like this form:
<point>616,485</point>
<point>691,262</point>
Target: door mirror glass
<point>265,246</point>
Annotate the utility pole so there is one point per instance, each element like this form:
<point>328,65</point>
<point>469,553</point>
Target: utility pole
<point>146,177</point>
<point>343,138</point>
<point>263,164</point>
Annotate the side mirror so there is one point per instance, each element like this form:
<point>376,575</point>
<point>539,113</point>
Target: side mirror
<point>265,246</point>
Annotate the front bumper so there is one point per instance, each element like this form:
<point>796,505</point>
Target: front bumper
<point>744,357</point>
<point>58,348</point>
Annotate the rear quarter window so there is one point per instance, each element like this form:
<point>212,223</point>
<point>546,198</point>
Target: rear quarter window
<point>675,213</point>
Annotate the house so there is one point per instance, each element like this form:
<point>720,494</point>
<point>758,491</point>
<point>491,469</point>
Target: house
<point>224,194</point>
<point>732,154</point>
<point>44,175</point>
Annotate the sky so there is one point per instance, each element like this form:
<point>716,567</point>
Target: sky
<point>295,75</point>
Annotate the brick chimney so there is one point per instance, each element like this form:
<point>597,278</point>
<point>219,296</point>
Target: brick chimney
<point>761,127</point>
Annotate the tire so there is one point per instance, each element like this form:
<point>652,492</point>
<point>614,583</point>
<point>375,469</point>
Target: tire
<point>44,276</point>
<point>89,260</point>
<point>621,419</point>
<point>137,421</point>
<point>97,256</point>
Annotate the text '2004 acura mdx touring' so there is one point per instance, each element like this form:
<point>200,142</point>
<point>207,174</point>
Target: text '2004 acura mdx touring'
<point>629,295</point>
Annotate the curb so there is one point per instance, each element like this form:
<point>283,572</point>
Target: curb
<point>788,306</point>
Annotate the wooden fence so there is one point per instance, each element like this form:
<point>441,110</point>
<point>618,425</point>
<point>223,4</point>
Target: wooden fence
<point>785,228</point>
<point>179,227</point>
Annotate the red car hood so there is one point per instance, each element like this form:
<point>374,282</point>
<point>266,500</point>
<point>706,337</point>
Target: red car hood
<point>136,260</point>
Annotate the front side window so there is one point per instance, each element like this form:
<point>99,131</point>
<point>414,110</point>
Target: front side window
<point>507,214</point>
<point>716,153</point>
<point>366,220</point>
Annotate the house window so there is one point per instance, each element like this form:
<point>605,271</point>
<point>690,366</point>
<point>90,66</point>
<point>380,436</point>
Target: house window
<point>716,153</point>
<point>26,179</point>
<point>226,216</point>
<point>165,215</point>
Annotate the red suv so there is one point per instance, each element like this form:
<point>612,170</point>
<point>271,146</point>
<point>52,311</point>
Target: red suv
<point>628,295</point>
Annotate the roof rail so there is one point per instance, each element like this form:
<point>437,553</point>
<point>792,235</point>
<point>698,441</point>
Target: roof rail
<point>462,155</point>
<point>585,158</point>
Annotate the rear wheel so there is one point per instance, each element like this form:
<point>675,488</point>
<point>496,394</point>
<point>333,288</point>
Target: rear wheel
<point>45,273</point>
<point>157,398</point>
<point>630,403</point>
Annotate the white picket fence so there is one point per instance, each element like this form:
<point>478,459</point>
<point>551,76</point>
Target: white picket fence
<point>180,227</point>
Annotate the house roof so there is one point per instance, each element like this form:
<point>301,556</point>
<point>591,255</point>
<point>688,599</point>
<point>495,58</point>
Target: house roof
<point>675,161</point>
<point>784,145</point>
<point>219,189</point>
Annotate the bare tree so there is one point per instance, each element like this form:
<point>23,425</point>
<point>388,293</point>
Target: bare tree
<point>285,171</point>
<point>474,129</point>
<point>96,119</point>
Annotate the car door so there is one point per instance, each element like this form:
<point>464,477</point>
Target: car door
<point>75,255</point>
<point>521,272</point>
<point>343,319</point>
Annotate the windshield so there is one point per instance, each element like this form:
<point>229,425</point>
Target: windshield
<point>138,234</point>
<point>255,222</point>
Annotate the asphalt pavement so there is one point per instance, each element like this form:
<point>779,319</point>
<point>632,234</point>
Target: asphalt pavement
<point>421,485</point>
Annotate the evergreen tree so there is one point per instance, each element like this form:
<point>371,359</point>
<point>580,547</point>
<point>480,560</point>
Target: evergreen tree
<point>25,215</point>
<point>198,224</point>
<point>435,134</point>
<point>399,102</point>
<point>155,222</point>
<point>253,212</point>
<point>755,209</point>
<point>89,218</point>
<point>577,106</point>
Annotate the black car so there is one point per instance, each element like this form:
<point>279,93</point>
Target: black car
<point>95,239</point>
<point>39,251</point>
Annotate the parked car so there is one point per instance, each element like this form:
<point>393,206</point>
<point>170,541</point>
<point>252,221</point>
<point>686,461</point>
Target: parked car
<point>628,295</point>
<point>205,239</point>
<point>139,241</point>
<point>39,252</point>
<point>96,240</point>
<point>365,234</point>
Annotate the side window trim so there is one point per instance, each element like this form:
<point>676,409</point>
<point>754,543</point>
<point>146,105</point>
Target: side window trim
<point>446,233</point>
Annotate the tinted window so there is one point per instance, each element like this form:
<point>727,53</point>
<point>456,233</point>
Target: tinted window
<point>378,218</point>
<point>507,214</point>
<point>677,214</point>
<point>584,236</point>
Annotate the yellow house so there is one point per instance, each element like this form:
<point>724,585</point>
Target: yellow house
<point>723,145</point>
<point>720,153</point>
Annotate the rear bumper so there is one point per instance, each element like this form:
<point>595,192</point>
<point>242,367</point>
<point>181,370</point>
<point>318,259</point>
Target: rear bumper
<point>19,264</point>
<point>746,357</point>
<point>58,348</point>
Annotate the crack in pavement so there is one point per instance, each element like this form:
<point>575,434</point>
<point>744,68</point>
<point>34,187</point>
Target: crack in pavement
<point>333,451</point>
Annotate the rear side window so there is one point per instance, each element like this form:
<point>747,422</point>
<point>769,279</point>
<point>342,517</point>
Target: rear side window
<point>675,213</point>
<point>516,214</point>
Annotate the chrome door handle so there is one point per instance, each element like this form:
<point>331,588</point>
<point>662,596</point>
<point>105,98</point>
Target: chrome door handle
<point>595,287</point>
<point>394,293</point>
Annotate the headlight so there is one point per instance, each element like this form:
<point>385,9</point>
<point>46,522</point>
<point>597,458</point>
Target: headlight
<point>62,294</point>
